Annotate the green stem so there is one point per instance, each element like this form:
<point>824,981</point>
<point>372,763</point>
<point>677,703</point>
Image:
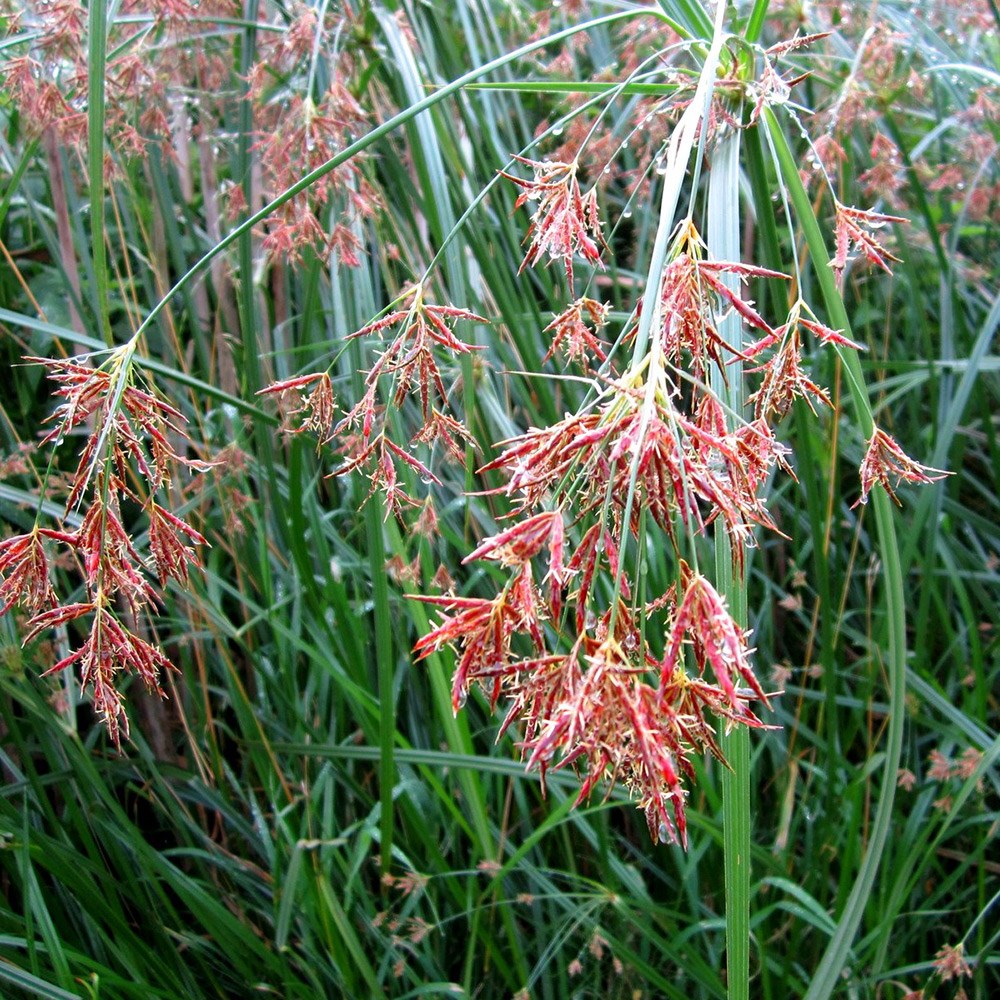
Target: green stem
<point>385,670</point>
<point>250,361</point>
<point>724,244</point>
<point>97,52</point>
<point>755,23</point>
<point>676,158</point>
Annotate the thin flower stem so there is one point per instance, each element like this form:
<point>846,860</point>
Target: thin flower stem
<point>677,155</point>
<point>200,386</point>
<point>605,98</point>
<point>120,366</point>
<point>318,46</point>
<point>676,161</point>
<point>616,92</point>
<point>653,376</point>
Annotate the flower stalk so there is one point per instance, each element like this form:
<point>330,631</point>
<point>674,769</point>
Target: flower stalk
<point>724,244</point>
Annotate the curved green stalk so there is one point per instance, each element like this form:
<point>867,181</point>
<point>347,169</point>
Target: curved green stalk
<point>388,126</point>
<point>827,976</point>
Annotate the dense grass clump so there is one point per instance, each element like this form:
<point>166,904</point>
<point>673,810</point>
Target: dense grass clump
<point>383,376</point>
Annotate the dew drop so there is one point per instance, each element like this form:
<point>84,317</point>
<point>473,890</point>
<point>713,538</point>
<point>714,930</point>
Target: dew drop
<point>627,214</point>
<point>461,698</point>
<point>663,834</point>
<point>558,130</point>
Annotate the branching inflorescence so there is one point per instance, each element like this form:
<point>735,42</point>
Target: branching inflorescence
<point>599,674</point>
<point>133,443</point>
<point>616,683</point>
<point>602,676</point>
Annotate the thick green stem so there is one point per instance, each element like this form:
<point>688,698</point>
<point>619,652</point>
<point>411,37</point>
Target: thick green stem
<point>724,244</point>
<point>97,54</point>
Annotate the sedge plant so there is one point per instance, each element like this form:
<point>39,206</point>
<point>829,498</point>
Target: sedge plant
<point>617,521</point>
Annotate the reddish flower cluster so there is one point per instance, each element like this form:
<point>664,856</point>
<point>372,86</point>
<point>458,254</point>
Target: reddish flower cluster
<point>127,455</point>
<point>595,706</point>
<point>409,366</point>
<point>587,685</point>
<point>297,136</point>
<point>163,61</point>
<point>570,332</point>
<point>299,130</point>
<point>316,408</point>
<point>47,75</point>
<point>855,228</point>
<point>655,449</point>
<point>565,221</point>
<point>689,308</point>
<point>950,963</point>
<point>884,459</point>
<point>600,675</point>
<point>783,378</point>
<point>893,69</point>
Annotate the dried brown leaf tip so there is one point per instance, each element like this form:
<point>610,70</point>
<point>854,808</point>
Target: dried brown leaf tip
<point>565,221</point>
<point>885,461</point>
